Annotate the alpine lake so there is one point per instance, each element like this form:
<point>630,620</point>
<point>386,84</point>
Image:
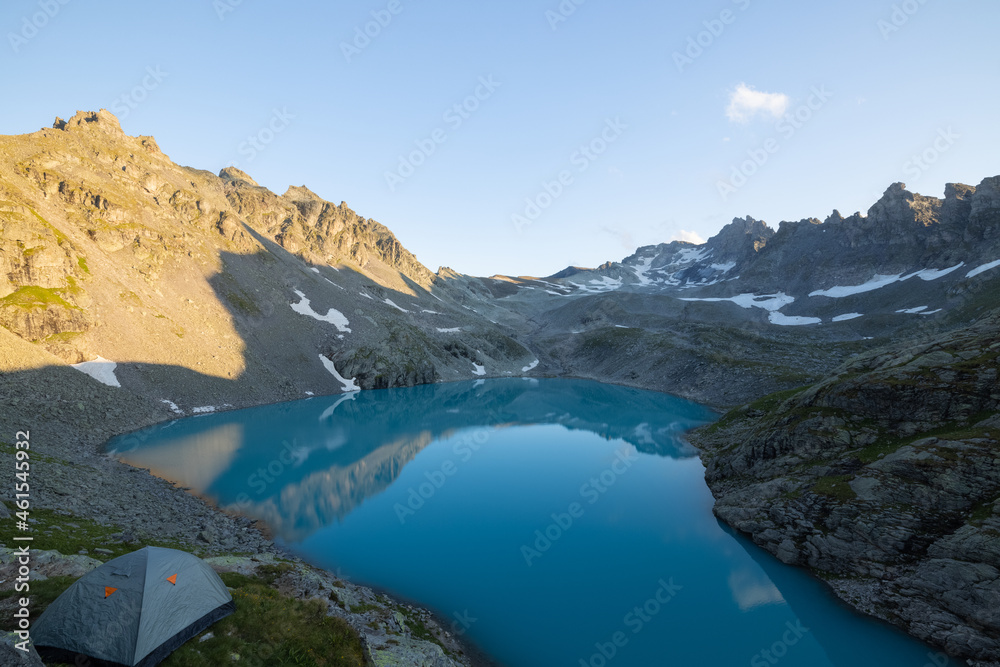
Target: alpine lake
<point>550,522</point>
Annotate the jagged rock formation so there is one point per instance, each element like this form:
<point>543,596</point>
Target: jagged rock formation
<point>887,473</point>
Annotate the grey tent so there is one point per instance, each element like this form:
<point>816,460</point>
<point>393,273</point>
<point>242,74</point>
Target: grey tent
<point>134,610</point>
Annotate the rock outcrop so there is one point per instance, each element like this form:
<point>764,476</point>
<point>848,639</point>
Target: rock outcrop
<point>887,473</point>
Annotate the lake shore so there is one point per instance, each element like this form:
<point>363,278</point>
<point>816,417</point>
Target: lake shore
<point>74,482</point>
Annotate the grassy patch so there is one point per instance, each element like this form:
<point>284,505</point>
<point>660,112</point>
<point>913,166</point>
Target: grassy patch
<point>835,486</point>
<point>64,337</point>
<point>271,573</point>
<point>959,431</point>
<point>242,303</point>
<point>82,262</point>
<point>131,297</point>
<point>271,629</point>
<point>767,404</point>
<point>772,401</point>
<point>8,449</point>
<point>60,237</point>
<point>68,534</point>
<point>880,448</point>
<point>31,297</point>
<point>981,512</point>
<point>363,607</point>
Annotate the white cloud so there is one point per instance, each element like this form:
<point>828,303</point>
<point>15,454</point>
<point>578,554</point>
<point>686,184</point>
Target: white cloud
<point>689,237</point>
<point>745,103</point>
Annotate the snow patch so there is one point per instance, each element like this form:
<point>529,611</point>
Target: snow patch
<point>847,316</point>
<point>333,316</point>
<point>101,370</point>
<point>880,281</point>
<point>982,269</point>
<point>452,330</point>
<point>913,311</point>
<point>933,274</point>
<point>769,302</point>
<point>875,283</point>
<point>314,270</point>
<point>349,385</point>
<point>530,366</point>
<point>432,312</point>
<point>478,370</point>
<point>725,268</point>
<point>173,406</point>
<point>389,301</point>
<point>791,320</point>
<point>203,410</point>
<point>690,255</point>
<point>642,270</point>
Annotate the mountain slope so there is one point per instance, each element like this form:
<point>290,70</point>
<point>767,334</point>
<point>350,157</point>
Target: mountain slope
<point>209,290</point>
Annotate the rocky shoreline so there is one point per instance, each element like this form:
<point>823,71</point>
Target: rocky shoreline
<point>74,482</point>
<point>883,480</point>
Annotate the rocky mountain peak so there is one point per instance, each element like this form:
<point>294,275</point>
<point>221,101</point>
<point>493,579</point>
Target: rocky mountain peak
<point>986,201</point>
<point>740,239</point>
<point>895,203</point>
<point>958,191</point>
<point>236,175</point>
<point>834,218</point>
<point>102,121</point>
<point>899,205</point>
<point>298,193</point>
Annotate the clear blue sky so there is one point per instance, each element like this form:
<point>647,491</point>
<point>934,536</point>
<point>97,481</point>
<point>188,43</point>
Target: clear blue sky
<point>226,66</point>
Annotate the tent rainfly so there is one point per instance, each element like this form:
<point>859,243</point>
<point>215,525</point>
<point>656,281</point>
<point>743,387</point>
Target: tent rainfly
<point>133,611</point>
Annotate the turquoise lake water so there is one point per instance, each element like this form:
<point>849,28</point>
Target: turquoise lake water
<point>551,522</point>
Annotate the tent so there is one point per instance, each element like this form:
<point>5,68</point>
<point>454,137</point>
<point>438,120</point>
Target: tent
<point>134,610</point>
